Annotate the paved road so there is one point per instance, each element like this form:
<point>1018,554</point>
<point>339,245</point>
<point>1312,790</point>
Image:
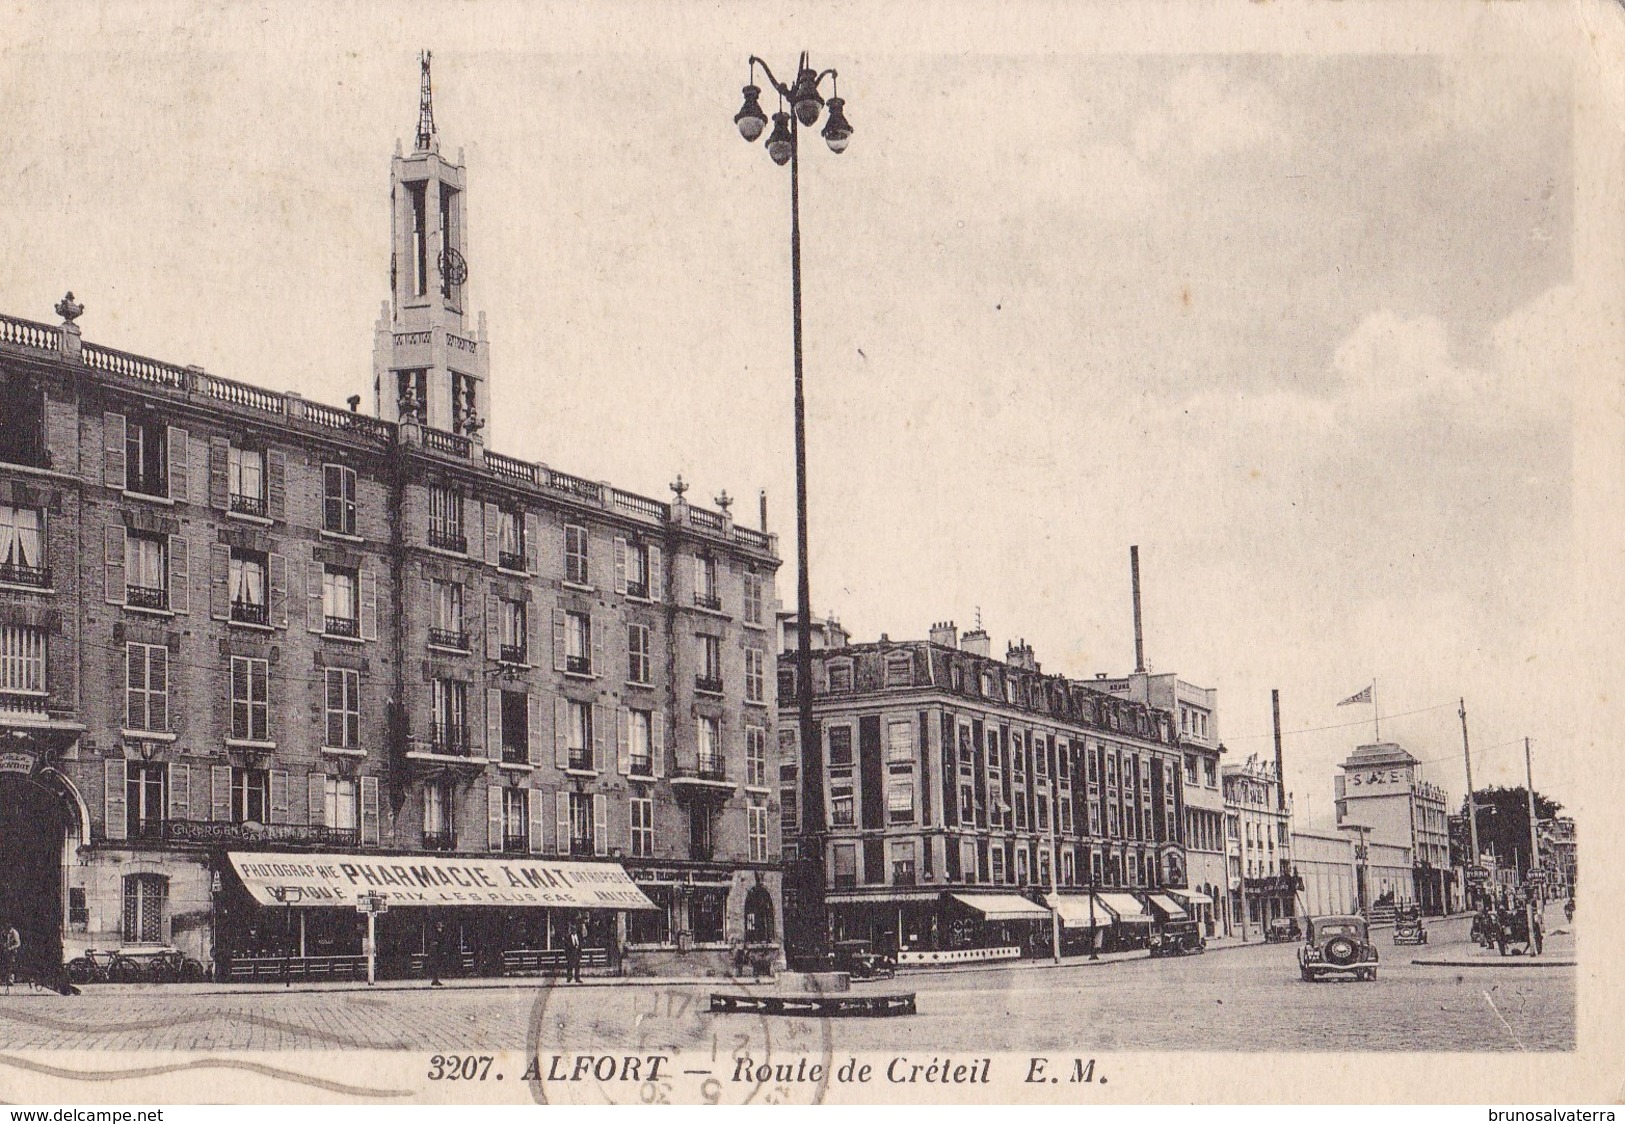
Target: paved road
<point>1241,999</point>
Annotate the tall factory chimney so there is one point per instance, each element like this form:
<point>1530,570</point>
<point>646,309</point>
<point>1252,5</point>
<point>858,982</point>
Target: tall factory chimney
<point>1139,637</point>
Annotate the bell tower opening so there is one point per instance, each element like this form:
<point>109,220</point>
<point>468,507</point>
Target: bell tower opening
<point>428,368</point>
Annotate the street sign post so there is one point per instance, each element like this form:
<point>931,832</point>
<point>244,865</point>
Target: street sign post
<point>372,904</point>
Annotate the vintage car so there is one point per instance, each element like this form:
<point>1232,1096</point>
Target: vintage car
<point>1177,938</point>
<point>1339,945</point>
<point>1511,928</point>
<point>1408,927</point>
<point>859,960</point>
<point>1282,929</point>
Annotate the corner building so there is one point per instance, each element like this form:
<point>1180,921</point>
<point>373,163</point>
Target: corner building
<point>236,623</point>
<point>952,798</point>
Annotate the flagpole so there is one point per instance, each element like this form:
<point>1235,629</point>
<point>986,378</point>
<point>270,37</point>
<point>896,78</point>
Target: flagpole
<point>1376,712</point>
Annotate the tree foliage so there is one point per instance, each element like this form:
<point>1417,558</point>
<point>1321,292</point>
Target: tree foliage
<point>1503,823</point>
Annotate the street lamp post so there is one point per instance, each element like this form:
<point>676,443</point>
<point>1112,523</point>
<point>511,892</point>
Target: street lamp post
<point>807,104</point>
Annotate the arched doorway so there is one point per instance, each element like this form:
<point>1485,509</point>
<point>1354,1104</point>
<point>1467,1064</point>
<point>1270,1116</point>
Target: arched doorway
<point>39,815</point>
<point>758,914</point>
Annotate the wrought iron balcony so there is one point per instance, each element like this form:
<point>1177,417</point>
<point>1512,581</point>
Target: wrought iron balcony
<point>448,739</point>
<point>508,560</point>
<point>709,684</point>
<point>580,759</point>
<point>449,638</point>
<point>154,485</point>
<point>515,844</point>
<point>146,597</point>
<point>641,765</point>
<point>341,626</point>
<point>515,754</point>
<point>581,845</point>
<point>512,653</point>
<point>578,665</point>
<point>151,827</point>
<point>248,505</point>
<point>712,767</point>
<point>708,601</point>
<point>22,704</point>
<point>447,538</point>
<point>638,589</point>
<point>12,573</point>
<point>439,841</point>
<point>246,612</point>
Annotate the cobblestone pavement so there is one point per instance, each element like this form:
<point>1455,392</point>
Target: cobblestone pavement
<point>1236,999</point>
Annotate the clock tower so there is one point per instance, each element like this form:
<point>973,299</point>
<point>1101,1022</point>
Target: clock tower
<point>427,366</point>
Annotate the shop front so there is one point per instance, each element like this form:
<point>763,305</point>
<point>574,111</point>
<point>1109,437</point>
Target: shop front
<point>1131,923</point>
<point>1083,922</point>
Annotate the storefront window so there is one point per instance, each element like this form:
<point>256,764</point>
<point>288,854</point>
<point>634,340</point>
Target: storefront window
<point>651,926</point>
<point>707,910</point>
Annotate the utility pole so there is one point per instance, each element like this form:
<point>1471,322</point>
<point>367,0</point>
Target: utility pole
<point>1472,804</point>
<point>1529,783</point>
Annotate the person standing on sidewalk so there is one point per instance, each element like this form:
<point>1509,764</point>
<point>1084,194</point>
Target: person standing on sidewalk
<point>572,954</point>
<point>10,948</point>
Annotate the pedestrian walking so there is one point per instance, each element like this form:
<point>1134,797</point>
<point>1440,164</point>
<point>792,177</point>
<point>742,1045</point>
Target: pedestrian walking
<point>1536,931</point>
<point>572,954</point>
<point>10,949</point>
<point>437,953</point>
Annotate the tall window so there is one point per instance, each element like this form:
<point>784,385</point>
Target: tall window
<point>756,832</point>
<point>341,601</point>
<point>145,794</point>
<point>250,699</point>
<point>22,546</point>
<point>840,745</point>
<point>146,570</point>
<point>145,896</point>
<point>22,661</point>
<point>513,629</point>
<point>146,468</point>
<point>515,726</point>
<point>575,553</point>
<point>248,587</point>
<point>845,865</point>
<point>756,756</point>
<point>437,816</point>
<point>702,832</point>
<point>789,776</point>
<point>511,540</point>
<point>638,667</point>
<point>753,598</point>
<point>580,734</point>
<point>710,746</point>
<point>710,675</point>
<point>343,709</point>
<point>639,581</point>
<point>900,799</point>
<point>755,675</point>
<point>450,724</point>
<point>643,826</point>
<point>250,795</point>
<point>581,825</point>
<point>578,643</point>
<point>447,629</point>
<point>515,820</point>
<point>341,804</point>
<point>903,871</point>
<point>640,742</point>
<point>338,499</point>
<point>705,583</point>
<point>446,520</point>
<point>247,475</point>
<point>146,692</point>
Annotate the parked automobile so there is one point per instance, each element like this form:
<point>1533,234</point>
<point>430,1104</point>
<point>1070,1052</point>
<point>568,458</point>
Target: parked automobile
<point>1338,945</point>
<point>1408,927</point>
<point>1177,938</point>
<point>1282,929</point>
<point>859,960</point>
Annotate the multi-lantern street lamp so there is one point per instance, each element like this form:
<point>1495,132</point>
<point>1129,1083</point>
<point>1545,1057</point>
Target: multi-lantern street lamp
<point>806,104</point>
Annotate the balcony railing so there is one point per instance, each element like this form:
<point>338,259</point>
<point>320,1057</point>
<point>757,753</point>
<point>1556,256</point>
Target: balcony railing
<point>449,638</point>
<point>509,560</point>
<point>152,827</point>
<point>248,505</point>
<point>22,704</point>
<point>709,684</point>
<point>515,754</point>
<point>146,597</point>
<point>707,767</point>
<point>581,845</point>
<point>12,573</point>
<point>154,485</point>
<point>341,626</point>
<point>902,873</point>
<point>512,653</point>
<point>708,601</point>
<point>581,759</point>
<point>450,740</point>
<point>439,841</point>
<point>638,589</point>
<point>245,612</point>
<point>446,538</point>
<point>515,844</point>
<point>641,765</point>
<point>439,441</point>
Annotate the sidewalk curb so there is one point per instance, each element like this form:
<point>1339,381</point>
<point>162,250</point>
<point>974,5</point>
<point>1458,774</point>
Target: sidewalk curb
<point>1499,962</point>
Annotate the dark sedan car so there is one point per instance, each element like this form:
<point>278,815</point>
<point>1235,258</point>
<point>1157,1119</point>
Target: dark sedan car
<point>1339,945</point>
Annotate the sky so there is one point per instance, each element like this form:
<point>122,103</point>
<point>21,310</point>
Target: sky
<point>1301,322</point>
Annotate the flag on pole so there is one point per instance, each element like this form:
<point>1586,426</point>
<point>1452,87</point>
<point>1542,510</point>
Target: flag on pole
<point>1363,697</point>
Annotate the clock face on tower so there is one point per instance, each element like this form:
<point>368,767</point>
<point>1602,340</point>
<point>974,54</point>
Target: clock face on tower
<point>453,268</point>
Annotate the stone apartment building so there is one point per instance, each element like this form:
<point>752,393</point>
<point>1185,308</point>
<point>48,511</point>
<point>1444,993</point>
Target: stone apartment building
<point>236,622</point>
<point>1258,829</point>
<point>1380,789</point>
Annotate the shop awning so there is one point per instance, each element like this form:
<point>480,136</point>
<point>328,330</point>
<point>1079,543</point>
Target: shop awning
<point>1126,908</point>
<point>415,880</point>
<point>1170,908</point>
<point>1003,907</point>
<point>1193,897</point>
<point>1074,911</point>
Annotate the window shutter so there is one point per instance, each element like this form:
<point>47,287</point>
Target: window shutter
<point>180,575</point>
<point>623,740</point>
<point>599,737</point>
<point>561,733</point>
<point>493,723</point>
<point>493,629</point>
<point>316,785</point>
<point>315,613</point>
<point>220,793</point>
<point>533,530</point>
<point>179,465</point>
<point>493,540</point>
<point>533,748</point>
<point>657,740</point>
<point>277,566</point>
<point>558,639</point>
<point>561,819</point>
<point>113,564</point>
<point>276,484</point>
<point>113,447</point>
<point>493,817</point>
<point>536,807</point>
<point>533,628</point>
<point>657,576</point>
<point>219,473</point>
<point>219,581</point>
<point>369,811</point>
<point>180,792</point>
<point>369,603</point>
<point>620,564</point>
<point>595,627</point>
<point>115,776</point>
<point>279,796</point>
<point>197,472</point>
<point>600,837</point>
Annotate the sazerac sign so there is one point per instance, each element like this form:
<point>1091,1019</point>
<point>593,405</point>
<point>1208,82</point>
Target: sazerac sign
<point>329,880</point>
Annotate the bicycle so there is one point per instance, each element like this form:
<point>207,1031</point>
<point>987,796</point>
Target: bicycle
<point>165,966</point>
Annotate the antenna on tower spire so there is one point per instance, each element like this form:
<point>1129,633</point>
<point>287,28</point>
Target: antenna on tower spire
<point>426,136</point>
